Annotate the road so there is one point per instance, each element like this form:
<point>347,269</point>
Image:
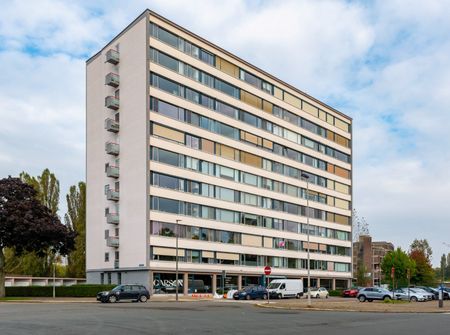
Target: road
<point>205,317</point>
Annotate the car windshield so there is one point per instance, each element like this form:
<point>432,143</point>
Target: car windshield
<point>117,288</point>
<point>274,285</point>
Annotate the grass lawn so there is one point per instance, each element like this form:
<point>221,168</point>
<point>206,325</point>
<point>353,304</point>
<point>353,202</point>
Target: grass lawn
<point>14,298</point>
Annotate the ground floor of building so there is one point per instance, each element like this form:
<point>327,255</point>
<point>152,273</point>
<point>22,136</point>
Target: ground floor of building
<point>167,282</point>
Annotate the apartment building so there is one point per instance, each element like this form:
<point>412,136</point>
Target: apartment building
<point>370,254</point>
<point>186,140</point>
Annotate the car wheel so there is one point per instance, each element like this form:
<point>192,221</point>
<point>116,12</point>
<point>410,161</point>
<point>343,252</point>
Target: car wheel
<point>298,296</point>
<point>386,298</point>
<point>317,296</point>
<point>112,298</point>
<point>362,298</point>
<point>143,298</point>
<point>265,296</point>
<point>326,297</point>
<point>413,298</point>
<point>248,297</point>
<point>279,296</point>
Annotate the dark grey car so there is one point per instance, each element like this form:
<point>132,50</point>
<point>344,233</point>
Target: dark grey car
<point>123,293</point>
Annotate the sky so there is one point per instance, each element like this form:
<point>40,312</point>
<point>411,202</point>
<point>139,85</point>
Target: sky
<point>384,63</point>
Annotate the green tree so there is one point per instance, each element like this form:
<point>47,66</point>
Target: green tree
<point>424,274</point>
<point>423,246</point>
<point>47,188</point>
<point>76,219</point>
<point>401,262</point>
<point>447,268</point>
<point>442,274</point>
<point>361,275</point>
<point>26,225</point>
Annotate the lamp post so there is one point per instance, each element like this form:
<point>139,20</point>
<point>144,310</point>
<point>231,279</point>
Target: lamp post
<point>306,178</point>
<point>176,259</point>
<point>54,279</point>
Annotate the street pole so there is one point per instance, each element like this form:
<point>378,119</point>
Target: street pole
<point>54,280</point>
<point>176,260</point>
<point>306,177</point>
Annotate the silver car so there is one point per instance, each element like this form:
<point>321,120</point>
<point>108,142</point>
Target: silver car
<point>373,293</point>
<point>411,294</point>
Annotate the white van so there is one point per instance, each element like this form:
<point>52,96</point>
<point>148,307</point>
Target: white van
<point>286,288</point>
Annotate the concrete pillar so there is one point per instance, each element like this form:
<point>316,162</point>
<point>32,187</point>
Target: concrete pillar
<point>150,282</point>
<point>318,282</point>
<point>185,283</point>
<point>333,284</point>
<point>239,282</point>
<point>214,283</point>
<point>349,283</point>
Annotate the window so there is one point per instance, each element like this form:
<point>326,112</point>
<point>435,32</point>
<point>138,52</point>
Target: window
<point>225,172</point>
<point>167,157</point>
<point>227,88</point>
<point>192,95</point>
<point>106,256</point>
<point>341,267</point>
<point>192,163</point>
<point>192,142</point>
<point>166,85</point>
<point>167,61</point>
<point>250,79</point>
<point>168,109</point>
<point>227,152</point>
<point>251,99</point>
<point>227,131</point>
<point>167,37</point>
<point>249,199</point>
<point>207,146</point>
<point>167,205</point>
<point>226,109</point>
<point>251,159</point>
<point>226,216</point>
<point>249,178</point>
<point>168,133</point>
<point>166,181</point>
<point>250,219</point>
<point>207,57</point>
<point>226,194</point>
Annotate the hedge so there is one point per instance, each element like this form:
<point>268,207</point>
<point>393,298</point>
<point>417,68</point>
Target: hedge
<point>335,293</point>
<point>83,290</point>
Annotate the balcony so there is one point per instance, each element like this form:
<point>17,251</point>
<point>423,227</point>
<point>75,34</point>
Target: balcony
<point>112,218</point>
<point>112,125</point>
<point>112,195</point>
<point>112,148</point>
<point>112,241</point>
<point>112,171</point>
<point>112,79</point>
<point>112,102</point>
<point>116,264</point>
<point>112,57</point>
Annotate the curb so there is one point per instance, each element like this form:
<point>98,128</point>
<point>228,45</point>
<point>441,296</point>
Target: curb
<point>315,309</point>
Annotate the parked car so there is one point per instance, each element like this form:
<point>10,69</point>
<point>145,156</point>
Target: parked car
<point>373,293</point>
<point>124,292</point>
<point>319,292</point>
<point>411,294</point>
<point>251,293</point>
<point>350,293</point>
<point>286,288</point>
<point>432,291</point>
<point>428,295</point>
<point>446,293</point>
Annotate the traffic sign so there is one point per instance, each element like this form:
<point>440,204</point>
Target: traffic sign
<point>267,270</point>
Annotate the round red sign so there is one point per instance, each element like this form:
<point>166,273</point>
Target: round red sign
<point>267,270</point>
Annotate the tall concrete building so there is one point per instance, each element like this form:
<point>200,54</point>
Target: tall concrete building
<point>180,129</point>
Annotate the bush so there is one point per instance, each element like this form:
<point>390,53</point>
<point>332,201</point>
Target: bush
<point>335,293</point>
<point>84,290</point>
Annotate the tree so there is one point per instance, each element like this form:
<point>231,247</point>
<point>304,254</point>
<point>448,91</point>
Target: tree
<point>26,225</point>
<point>361,275</point>
<point>76,219</point>
<point>47,188</point>
<point>423,246</point>
<point>424,274</point>
<point>401,262</point>
<point>443,268</point>
<point>359,226</point>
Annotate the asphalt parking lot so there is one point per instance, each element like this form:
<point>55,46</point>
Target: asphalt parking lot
<point>204,317</point>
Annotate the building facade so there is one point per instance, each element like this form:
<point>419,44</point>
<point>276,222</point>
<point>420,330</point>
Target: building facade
<point>370,255</point>
<point>180,129</point>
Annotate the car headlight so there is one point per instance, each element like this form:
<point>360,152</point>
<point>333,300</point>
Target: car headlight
<point>105,293</point>
<point>244,293</point>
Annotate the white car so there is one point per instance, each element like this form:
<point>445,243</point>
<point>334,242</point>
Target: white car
<point>320,292</point>
<point>412,295</point>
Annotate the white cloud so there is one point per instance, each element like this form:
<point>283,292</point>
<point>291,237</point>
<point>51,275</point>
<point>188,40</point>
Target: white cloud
<point>383,63</point>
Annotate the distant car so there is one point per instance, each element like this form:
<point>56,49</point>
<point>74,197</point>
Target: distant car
<point>124,292</point>
<point>428,295</point>
<point>432,291</point>
<point>373,293</point>
<point>251,293</point>
<point>411,294</point>
<point>319,292</point>
<point>350,293</point>
<point>446,293</point>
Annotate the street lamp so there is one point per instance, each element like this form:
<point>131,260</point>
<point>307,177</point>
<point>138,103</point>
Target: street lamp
<point>176,259</point>
<point>306,178</point>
